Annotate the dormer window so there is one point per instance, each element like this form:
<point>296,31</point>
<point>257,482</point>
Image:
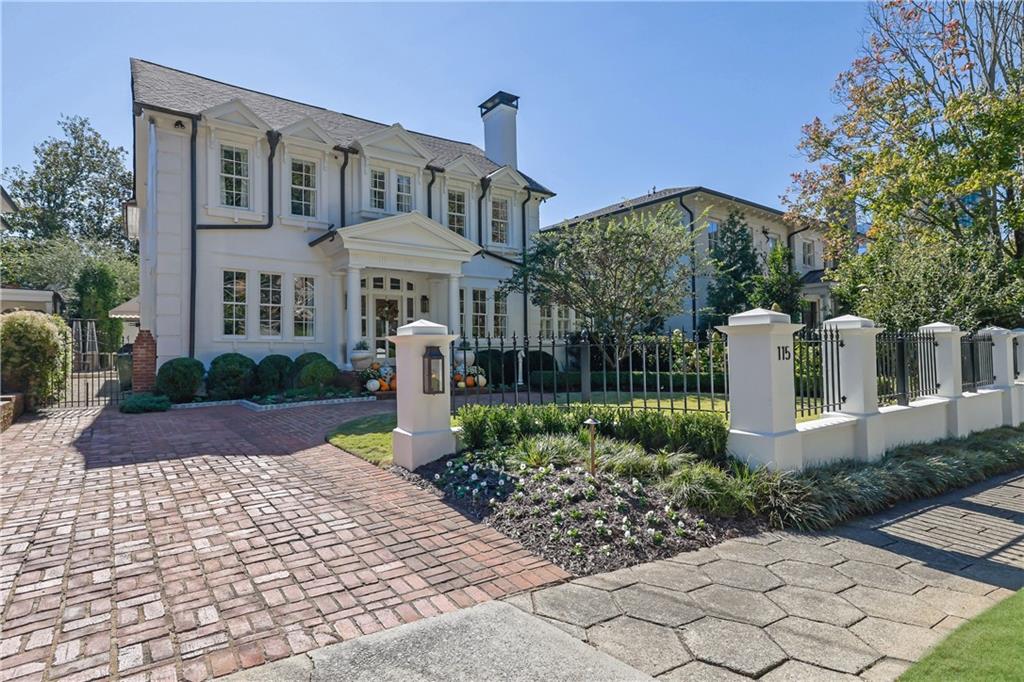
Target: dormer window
<point>234,177</point>
<point>403,193</point>
<point>457,212</point>
<point>303,188</point>
<point>499,221</point>
<point>378,190</point>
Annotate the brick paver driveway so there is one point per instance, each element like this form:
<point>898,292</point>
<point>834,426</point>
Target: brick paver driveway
<point>193,543</point>
<point>864,600</point>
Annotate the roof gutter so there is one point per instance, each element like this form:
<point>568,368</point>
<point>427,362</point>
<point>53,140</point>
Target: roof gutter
<point>693,265</point>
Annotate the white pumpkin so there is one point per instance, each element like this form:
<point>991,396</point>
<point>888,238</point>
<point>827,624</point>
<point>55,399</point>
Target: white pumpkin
<point>372,385</point>
<point>481,381</point>
<point>460,384</point>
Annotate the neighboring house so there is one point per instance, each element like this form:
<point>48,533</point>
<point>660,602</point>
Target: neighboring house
<point>128,313</point>
<point>41,300</point>
<point>708,209</point>
<point>270,226</point>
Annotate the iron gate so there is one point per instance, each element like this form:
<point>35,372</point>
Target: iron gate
<point>98,377</point>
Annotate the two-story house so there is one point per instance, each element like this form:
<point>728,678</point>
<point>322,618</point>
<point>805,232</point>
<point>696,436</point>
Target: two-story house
<point>706,210</point>
<point>270,226</point>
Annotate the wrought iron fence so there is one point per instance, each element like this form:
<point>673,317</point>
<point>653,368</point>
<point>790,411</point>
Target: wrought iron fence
<point>906,366</point>
<point>976,366</point>
<point>816,371</point>
<point>1016,358</point>
<point>672,372</point>
<point>98,376</point>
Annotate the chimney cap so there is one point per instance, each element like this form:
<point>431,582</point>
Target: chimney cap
<point>498,98</point>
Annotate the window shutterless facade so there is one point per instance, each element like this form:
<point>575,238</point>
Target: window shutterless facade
<point>234,177</point>
<point>378,190</point>
<point>479,313</point>
<point>270,304</point>
<point>457,212</point>
<point>233,303</point>
<point>403,193</point>
<point>500,314</point>
<point>303,188</point>
<point>304,311</point>
<point>499,221</point>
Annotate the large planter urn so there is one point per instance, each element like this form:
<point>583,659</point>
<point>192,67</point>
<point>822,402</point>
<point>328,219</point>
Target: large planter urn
<point>361,359</point>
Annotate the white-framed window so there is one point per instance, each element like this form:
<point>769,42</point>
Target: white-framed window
<point>773,241</point>
<point>499,221</point>
<point>712,235</point>
<point>303,188</point>
<point>546,321</point>
<point>378,190</point>
<point>808,253</point>
<point>500,314</point>
<point>563,321</point>
<point>403,193</point>
<point>234,176</point>
<point>478,323</point>
<point>270,304</point>
<point>233,303</point>
<point>457,211</point>
<point>304,310</point>
<point>462,313</point>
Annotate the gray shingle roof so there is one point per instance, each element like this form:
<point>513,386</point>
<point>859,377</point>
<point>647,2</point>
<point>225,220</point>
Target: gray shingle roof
<point>168,88</point>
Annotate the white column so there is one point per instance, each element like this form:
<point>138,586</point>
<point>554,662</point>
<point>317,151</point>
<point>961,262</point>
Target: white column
<point>424,432</point>
<point>858,369</point>
<point>1002,368</point>
<point>353,331</point>
<point>453,304</point>
<point>761,391</point>
<point>947,373</point>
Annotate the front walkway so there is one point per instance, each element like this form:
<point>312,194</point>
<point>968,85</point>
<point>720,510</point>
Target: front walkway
<point>195,543</point>
<point>864,600</point>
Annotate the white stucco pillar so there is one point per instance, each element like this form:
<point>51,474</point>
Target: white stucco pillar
<point>948,374</point>
<point>424,432</point>
<point>352,330</point>
<point>858,371</point>
<point>1002,368</point>
<point>761,390</point>
<point>454,324</point>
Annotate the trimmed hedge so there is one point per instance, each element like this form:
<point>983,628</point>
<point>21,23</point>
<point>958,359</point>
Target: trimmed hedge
<point>702,433</point>
<point>317,374</point>
<point>35,354</point>
<point>145,402</point>
<point>305,359</point>
<point>231,376</point>
<point>273,374</point>
<point>179,379</point>
<point>601,381</point>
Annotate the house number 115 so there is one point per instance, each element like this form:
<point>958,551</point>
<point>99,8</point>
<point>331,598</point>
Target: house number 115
<point>784,352</point>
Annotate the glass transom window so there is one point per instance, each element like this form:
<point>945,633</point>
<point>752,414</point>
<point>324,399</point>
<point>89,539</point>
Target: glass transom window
<point>378,190</point>
<point>234,176</point>
<point>457,212</point>
<point>304,188</point>
<point>403,193</point>
<point>499,221</point>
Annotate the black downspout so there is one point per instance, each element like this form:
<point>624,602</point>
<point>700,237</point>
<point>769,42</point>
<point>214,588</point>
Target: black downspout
<point>430,193</point>
<point>526,298</point>
<point>484,184</point>
<point>789,245</point>
<point>344,165</point>
<point>693,271</point>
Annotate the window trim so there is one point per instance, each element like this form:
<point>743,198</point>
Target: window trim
<point>315,189</point>
<point>244,305</point>
<point>246,179</point>
<point>805,252</point>
<point>411,193</point>
<point>299,153</point>
<point>475,315</point>
<point>495,202</point>
<point>296,307</point>
<point>448,212</point>
<point>500,331</point>
<point>219,133</point>
<point>260,304</point>
<point>384,191</point>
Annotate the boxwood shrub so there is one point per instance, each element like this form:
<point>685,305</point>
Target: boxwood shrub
<point>273,374</point>
<point>145,402</point>
<point>179,379</point>
<point>317,374</point>
<point>305,359</point>
<point>702,433</point>
<point>231,376</point>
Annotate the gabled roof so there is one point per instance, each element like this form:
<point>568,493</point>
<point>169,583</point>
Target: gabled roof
<point>182,92</point>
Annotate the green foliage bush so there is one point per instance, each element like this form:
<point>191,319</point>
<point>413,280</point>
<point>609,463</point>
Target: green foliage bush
<point>273,374</point>
<point>231,376</point>
<point>35,354</point>
<point>674,382</point>
<point>704,434</point>
<point>305,359</point>
<point>97,292</point>
<point>317,374</point>
<point>145,402</point>
<point>179,379</point>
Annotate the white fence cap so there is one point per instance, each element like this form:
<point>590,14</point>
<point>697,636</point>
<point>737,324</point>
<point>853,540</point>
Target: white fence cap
<point>759,316</point>
<point>423,328</point>
<point>849,322</point>
<point>940,327</point>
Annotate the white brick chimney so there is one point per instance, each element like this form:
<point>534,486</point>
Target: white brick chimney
<point>499,115</point>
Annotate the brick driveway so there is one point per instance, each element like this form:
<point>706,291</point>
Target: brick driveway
<point>193,543</point>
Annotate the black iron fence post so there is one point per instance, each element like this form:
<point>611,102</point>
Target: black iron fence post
<point>585,388</point>
<point>902,371</point>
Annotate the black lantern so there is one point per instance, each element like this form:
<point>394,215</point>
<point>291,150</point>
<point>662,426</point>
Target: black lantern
<point>433,371</point>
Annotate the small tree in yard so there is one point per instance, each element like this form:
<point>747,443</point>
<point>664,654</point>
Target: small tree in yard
<point>778,285</point>
<point>620,274</point>
<point>735,264</point>
<point>97,294</point>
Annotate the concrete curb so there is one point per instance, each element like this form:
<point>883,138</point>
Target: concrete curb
<point>256,407</point>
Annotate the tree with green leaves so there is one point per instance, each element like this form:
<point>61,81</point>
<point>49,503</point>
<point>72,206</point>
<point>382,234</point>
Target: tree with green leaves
<point>734,264</point>
<point>620,273</point>
<point>778,285</point>
<point>97,294</point>
<point>76,188</point>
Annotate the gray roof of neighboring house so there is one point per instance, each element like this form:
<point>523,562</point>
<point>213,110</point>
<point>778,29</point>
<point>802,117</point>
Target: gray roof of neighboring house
<point>812,277</point>
<point>179,91</point>
<point>659,196</point>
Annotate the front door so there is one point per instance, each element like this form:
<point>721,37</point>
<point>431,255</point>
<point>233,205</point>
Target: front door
<point>385,324</point>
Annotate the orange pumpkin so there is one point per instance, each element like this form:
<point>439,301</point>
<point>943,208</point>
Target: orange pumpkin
<point>394,383</point>
<point>471,381</point>
<point>457,378</point>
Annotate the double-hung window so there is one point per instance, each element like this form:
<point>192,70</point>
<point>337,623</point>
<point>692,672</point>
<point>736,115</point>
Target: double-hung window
<point>270,304</point>
<point>234,176</point>
<point>546,328</point>
<point>457,212</point>
<point>378,190</point>
<point>499,221</point>
<point>304,188</point>
<point>479,313</point>
<point>500,315</point>
<point>403,193</point>
<point>773,241</point>
<point>563,321</point>
<point>304,313</point>
<point>808,253</point>
<point>233,303</point>
<point>712,237</point>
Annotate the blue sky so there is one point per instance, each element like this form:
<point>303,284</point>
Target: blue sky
<point>616,98</point>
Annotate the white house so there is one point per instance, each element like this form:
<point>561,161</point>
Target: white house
<point>707,209</point>
<point>270,226</point>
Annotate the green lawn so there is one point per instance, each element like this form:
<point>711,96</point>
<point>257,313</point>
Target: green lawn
<point>989,648</point>
<point>366,437</point>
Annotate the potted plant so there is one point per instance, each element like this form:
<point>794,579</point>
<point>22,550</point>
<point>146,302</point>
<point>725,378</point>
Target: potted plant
<point>361,355</point>
<point>464,354</point>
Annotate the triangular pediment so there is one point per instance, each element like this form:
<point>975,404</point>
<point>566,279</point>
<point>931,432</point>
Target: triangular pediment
<point>463,166</point>
<point>307,129</point>
<point>508,176</point>
<point>236,113</point>
<point>409,233</point>
<point>395,141</point>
